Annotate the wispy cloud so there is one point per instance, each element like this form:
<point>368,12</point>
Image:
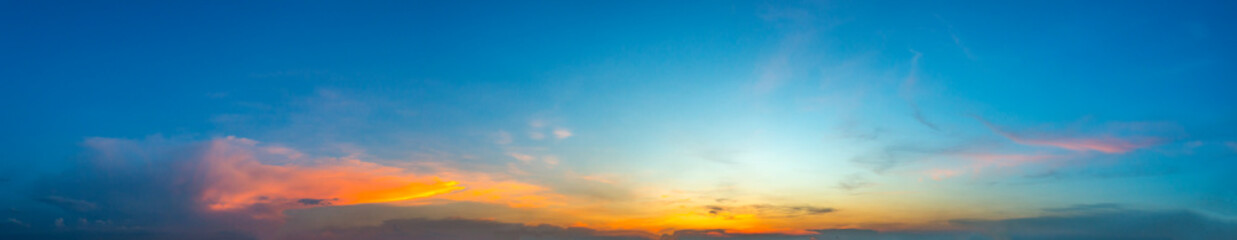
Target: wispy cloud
<point>1086,208</point>
<point>908,89</point>
<point>525,158</point>
<point>69,204</point>
<point>953,35</point>
<point>1076,142</point>
<point>853,182</point>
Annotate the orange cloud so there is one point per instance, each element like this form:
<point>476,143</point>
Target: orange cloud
<point>237,177</point>
<point>234,178</point>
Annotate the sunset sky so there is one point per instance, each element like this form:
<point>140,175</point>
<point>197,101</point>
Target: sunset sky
<point>660,120</point>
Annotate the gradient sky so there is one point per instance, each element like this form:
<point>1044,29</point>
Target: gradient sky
<point>618,120</point>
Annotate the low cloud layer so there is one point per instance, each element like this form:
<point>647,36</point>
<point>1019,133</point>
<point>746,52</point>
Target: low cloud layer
<point>235,188</point>
<point>1076,223</point>
<point>236,185</point>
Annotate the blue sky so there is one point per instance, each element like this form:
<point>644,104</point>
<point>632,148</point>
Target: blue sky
<point>760,119</point>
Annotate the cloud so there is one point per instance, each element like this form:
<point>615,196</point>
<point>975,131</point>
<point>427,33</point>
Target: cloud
<point>237,185</point>
<point>852,182</point>
<point>15,222</point>
<point>1131,171</point>
<point>785,63</point>
<point>124,235</point>
<point>908,88</point>
<point>1085,208</point>
<point>1104,143</point>
<point>940,174</point>
<point>536,135</point>
<point>1072,224</point>
<point>718,155</point>
<point>525,158</point>
<point>562,133</point>
<point>462,229</point>
<point>765,210</point>
<point>982,162</point>
<point>954,36</point>
<point>888,157</point>
<point>1127,224</point>
<point>68,203</point>
<point>918,114</point>
<point>315,202</point>
<point>502,138</point>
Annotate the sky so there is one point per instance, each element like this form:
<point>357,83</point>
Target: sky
<point>661,120</point>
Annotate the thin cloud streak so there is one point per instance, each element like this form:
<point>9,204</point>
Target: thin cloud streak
<point>1103,144</point>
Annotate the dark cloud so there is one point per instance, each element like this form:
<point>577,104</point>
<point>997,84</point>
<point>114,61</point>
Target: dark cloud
<point>767,210</point>
<point>714,210</point>
<point>795,210</point>
<point>151,185</point>
<point>310,219</point>
<point>1127,224</point>
<point>315,202</point>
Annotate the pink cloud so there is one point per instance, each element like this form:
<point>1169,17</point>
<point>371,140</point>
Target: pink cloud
<point>1103,143</point>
